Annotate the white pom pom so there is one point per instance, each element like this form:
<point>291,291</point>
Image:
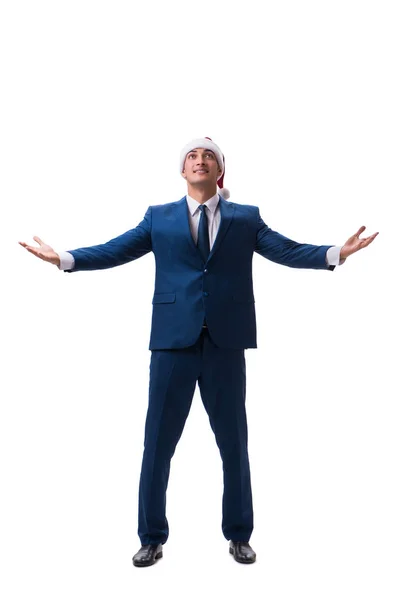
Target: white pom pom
<point>225,193</point>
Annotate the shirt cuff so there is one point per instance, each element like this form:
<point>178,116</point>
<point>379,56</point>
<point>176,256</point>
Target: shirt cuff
<point>333,256</point>
<point>67,261</point>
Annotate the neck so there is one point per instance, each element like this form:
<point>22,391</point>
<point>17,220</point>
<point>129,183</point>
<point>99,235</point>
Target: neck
<point>201,194</point>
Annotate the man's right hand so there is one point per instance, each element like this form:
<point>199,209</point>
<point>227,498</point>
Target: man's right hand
<point>44,251</point>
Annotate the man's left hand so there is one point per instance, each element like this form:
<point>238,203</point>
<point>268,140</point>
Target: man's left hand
<point>355,243</point>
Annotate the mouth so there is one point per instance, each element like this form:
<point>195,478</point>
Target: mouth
<point>201,171</point>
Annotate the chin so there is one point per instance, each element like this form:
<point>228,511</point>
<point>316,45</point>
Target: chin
<point>203,179</point>
<point>199,181</point>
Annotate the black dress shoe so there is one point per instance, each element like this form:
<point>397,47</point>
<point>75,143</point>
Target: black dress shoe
<point>242,552</point>
<point>147,555</point>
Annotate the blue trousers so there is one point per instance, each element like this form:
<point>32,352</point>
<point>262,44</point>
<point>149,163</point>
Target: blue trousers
<point>221,375</point>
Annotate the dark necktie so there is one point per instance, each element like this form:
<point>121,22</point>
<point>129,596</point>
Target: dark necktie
<point>203,241</point>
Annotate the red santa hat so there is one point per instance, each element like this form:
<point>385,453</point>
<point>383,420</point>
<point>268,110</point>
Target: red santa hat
<point>208,144</point>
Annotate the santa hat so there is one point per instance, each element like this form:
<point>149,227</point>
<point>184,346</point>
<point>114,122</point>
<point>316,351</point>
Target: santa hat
<point>208,144</point>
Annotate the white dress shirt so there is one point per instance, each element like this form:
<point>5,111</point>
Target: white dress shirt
<point>67,261</point>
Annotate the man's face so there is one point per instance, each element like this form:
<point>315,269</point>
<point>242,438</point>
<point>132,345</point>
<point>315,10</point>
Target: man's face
<point>201,166</point>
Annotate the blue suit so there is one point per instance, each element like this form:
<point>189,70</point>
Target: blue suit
<point>189,292</point>
<point>186,290</point>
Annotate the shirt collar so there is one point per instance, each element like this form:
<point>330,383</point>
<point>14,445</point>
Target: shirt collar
<point>193,205</point>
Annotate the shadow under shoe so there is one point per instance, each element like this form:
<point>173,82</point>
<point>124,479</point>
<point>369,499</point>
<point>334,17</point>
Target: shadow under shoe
<point>147,555</point>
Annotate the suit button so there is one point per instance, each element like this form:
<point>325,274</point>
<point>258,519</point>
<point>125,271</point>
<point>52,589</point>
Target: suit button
<point>205,270</point>
<point>205,294</point>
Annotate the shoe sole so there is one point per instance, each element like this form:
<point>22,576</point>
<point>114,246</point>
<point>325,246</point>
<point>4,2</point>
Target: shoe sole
<point>244,562</point>
<point>141,564</point>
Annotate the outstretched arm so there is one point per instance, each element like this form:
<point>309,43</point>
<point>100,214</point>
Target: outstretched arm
<point>122,249</point>
<point>282,250</point>
<point>126,247</point>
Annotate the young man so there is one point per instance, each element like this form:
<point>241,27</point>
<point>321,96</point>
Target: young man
<point>203,320</point>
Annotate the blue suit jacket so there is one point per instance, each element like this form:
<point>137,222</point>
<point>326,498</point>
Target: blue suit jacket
<point>186,289</point>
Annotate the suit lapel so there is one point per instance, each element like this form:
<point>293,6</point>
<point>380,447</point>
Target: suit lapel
<point>227,210</point>
<point>184,225</point>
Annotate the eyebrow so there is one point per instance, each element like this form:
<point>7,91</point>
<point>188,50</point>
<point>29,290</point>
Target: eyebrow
<point>205,150</point>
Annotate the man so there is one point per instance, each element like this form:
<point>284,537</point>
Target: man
<point>203,320</point>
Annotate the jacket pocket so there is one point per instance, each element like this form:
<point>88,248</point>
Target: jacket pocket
<point>164,298</point>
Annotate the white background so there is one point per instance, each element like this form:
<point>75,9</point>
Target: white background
<point>97,100</point>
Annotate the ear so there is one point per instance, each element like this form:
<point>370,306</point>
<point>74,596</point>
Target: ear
<point>183,174</point>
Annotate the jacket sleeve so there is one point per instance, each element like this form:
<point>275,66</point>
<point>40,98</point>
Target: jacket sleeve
<point>282,250</point>
<point>126,247</point>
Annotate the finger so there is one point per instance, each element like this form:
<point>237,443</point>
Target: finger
<point>25,245</point>
<point>368,240</point>
<point>359,232</point>
<point>370,237</point>
<point>38,240</point>
<point>34,251</point>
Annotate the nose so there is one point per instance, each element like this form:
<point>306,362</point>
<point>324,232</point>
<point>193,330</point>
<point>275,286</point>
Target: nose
<point>200,161</point>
